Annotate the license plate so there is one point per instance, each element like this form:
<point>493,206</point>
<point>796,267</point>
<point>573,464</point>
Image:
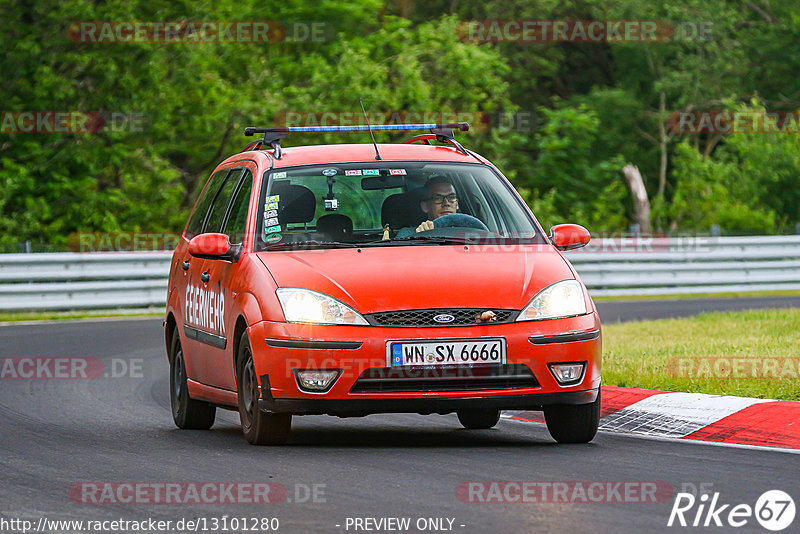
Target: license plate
<point>456,352</point>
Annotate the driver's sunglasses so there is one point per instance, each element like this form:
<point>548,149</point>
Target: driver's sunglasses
<point>452,198</point>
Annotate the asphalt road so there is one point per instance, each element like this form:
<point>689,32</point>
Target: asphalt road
<point>59,433</point>
<point>643,310</point>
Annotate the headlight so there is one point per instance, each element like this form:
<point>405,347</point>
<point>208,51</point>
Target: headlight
<point>562,299</point>
<point>306,306</point>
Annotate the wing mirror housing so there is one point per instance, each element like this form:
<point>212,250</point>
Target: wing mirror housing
<point>569,236</point>
<point>214,246</point>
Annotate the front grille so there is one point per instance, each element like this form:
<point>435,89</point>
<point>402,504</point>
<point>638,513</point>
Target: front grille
<point>444,378</point>
<point>419,318</point>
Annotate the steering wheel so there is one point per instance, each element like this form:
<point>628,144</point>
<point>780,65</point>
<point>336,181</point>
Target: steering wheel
<point>459,220</point>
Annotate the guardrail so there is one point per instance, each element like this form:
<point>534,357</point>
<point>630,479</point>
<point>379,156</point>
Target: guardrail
<point>68,281</point>
<point>665,266</point>
<point>619,266</point>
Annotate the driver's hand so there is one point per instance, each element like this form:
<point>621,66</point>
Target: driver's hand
<point>426,225</point>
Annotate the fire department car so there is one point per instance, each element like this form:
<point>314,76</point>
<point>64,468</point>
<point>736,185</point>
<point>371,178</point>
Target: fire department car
<point>356,279</point>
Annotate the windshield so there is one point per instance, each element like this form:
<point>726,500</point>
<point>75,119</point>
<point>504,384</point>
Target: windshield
<point>389,203</point>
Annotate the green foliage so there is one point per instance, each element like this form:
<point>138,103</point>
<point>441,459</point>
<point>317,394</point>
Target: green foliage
<point>195,99</point>
<point>748,185</point>
<point>581,188</point>
<point>706,195</point>
<point>543,206</point>
<point>770,171</point>
<point>598,106</point>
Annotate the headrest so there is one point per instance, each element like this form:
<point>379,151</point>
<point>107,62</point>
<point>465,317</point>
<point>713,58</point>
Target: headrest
<point>336,226</point>
<point>296,204</point>
<point>402,209</point>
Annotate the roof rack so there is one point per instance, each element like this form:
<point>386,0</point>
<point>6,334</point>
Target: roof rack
<point>443,135</point>
<point>441,132</point>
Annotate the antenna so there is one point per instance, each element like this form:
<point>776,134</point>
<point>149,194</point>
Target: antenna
<point>377,154</point>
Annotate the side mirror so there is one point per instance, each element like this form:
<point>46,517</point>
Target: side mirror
<point>569,236</point>
<point>214,247</point>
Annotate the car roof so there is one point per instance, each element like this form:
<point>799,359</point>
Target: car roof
<point>345,153</point>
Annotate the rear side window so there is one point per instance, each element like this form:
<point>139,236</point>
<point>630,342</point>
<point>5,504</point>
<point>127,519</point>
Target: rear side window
<point>198,217</point>
<point>237,219</point>
<point>220,206</point>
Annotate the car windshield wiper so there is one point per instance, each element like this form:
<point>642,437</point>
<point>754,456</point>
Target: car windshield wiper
<point>286,245</point>
<point>436,240</point>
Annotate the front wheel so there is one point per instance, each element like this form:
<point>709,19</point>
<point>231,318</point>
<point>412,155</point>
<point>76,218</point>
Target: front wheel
<point>186,412</point>
<point>573,423</point>
<point>259,428</point>
<point>478,419</point>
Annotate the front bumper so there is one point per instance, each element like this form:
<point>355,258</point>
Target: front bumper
<point>281,348</point>
<point>362,407</point>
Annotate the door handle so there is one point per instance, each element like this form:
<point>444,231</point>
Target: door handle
<point>185,265</point>
<point>205,277</point>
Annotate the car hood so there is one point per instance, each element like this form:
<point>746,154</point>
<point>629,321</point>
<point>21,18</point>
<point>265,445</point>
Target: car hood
<point>374,279</point>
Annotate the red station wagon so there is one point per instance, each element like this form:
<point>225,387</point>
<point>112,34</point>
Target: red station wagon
<point>357,279</point>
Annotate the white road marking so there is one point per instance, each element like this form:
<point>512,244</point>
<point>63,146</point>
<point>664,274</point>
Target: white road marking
<point>675,414</point>
<point>672,439</point>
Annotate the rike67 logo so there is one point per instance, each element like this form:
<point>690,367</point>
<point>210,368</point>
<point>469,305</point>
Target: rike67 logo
<point>774,510</point>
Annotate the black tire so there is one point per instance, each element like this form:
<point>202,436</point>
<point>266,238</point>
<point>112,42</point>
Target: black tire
<point>478,419</point>
<point>187,413</point>
<point>576,423</point>
<point>258,427</point>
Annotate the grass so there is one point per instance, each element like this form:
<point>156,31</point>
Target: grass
<point>716,353</point>
<point>12,317</point>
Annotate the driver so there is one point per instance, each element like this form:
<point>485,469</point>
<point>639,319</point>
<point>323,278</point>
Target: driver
<point>441,200</point>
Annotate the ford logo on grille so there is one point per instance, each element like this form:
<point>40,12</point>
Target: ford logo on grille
<point>444,318</point>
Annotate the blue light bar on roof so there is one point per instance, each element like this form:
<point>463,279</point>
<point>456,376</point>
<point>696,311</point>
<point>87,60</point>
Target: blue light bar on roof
<point>462,126</point>
<point>364,128</point>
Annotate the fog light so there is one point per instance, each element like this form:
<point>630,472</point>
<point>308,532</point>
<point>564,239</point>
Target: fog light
<point>316,380</point>
<point>567,374</point>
